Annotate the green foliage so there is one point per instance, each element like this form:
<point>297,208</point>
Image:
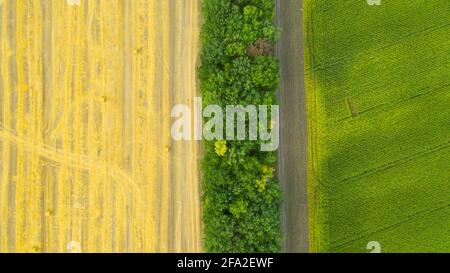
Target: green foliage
<point>221,147</point>
<point>241,196</point>
<point>266,176</point>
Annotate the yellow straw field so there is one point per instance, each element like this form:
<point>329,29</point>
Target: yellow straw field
<point>87,160</point>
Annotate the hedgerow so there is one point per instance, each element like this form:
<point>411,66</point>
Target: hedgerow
<point>241,195</point>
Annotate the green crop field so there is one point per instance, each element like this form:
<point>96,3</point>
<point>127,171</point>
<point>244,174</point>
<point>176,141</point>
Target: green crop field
<point>378,87</point>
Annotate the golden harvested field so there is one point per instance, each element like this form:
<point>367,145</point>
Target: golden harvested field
<point>87,160</point>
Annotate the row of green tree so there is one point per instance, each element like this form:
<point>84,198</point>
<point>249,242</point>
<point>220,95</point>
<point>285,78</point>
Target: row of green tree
<point>241,194</point>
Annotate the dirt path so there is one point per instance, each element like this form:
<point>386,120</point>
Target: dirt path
<point>87,160</point>
<point>293,150</point>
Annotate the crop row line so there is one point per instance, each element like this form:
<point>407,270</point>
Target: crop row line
<point>337,244</point>
<point>392,164</point>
